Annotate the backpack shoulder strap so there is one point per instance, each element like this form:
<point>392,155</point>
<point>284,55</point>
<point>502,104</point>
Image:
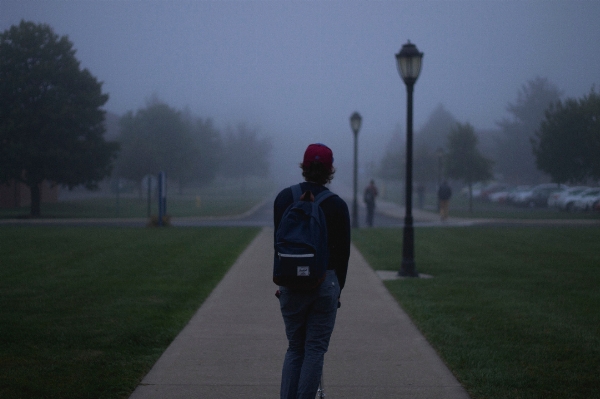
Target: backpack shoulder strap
<point>296,192</point>
<point>322,196</point>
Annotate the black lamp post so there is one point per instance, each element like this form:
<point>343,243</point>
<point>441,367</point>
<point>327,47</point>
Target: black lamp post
<point>355,122</point>
<point>408,61</point>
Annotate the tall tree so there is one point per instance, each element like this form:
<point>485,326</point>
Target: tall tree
<point>208,160</point>
<point>567,143</point>
<point>514,156</point>
<point>156,138</point>
<point>434,132</point>
<point>245,153</point>
<point>464,161</point>
<point>425,164</point>
<point>392,165</point>
<point>428,139</point>
<point>51,123</point>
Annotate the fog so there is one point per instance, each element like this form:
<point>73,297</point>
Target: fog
<point>297,70</point>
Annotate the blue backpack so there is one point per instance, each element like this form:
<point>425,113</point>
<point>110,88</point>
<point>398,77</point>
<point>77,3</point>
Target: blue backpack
<point>301,251</point>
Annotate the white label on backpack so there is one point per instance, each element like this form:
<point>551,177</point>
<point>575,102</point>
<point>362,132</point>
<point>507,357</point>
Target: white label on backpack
<point>295,255</point>
<point>303,271</point>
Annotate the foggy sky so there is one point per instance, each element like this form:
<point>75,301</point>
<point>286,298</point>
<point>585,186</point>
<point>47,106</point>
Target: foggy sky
<point>297,70</point>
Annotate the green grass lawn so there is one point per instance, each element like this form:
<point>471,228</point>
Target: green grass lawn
<point>86,312</point>
<point>138,208</point>
<point>514,312</point>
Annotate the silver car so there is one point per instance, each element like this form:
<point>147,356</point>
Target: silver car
<point>565,200</point>
<point>587,200</point>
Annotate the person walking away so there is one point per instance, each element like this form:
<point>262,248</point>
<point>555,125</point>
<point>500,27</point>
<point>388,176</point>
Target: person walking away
<point>444,195</point>
<point>309,316</point>
<point>369,197</point>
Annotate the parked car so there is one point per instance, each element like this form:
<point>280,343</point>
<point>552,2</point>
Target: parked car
<point>501,196</point>
<point>560,200</point>
<point>505,196</point>
<point>477,189</point>
<point>491,189</point>
<point>569,202</point>
<point>538,195</point>
<point>520,195</point>
<point>587,200</point>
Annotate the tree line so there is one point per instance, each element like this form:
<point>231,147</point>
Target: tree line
<point>191,150</point>
<point>544,138</point>
<point>52,126</point>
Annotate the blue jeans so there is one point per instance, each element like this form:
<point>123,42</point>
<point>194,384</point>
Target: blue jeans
<point>309,319</point>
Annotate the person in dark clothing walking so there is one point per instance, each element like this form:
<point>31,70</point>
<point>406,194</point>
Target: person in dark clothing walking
<point>309,316</point>
<point>369,197</point>
<point>444,195</point>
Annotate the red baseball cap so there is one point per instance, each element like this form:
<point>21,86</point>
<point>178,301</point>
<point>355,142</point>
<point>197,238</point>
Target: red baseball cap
<point>318,153</point>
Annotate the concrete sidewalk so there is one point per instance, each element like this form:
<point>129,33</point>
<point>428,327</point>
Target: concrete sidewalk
<point>234,345</point>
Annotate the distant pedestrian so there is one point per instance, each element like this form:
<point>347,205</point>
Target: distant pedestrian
<point>369,197</point>
<point>444,195</point>
<point>309,316</point>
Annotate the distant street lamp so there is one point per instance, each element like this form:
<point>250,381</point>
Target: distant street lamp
<point>355,122</point>
<point>408,61</point>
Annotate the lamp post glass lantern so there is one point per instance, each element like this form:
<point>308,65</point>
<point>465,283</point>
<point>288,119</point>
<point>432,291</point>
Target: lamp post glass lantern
<point>408,61</point>
<point>355,122</point>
